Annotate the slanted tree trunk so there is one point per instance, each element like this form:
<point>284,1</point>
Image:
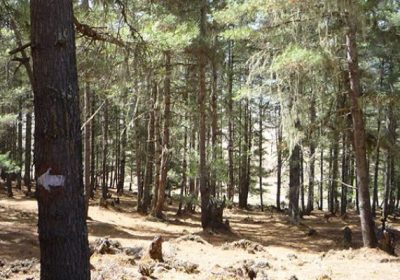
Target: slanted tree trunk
<point>157,211</point>
<point>367,223</point>
<point>64,253</point>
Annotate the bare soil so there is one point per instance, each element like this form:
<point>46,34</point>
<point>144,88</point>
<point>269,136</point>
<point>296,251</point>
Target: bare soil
<point>261,242</point>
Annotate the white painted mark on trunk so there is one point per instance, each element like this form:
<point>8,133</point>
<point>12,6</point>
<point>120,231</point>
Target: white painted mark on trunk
<point>47,181</point>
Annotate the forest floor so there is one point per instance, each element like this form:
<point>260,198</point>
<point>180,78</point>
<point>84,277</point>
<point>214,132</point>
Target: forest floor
<point>261,242</point>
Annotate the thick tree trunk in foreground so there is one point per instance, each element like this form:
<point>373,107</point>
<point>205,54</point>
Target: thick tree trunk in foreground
<point>63,237</point>
<point>367,223</point>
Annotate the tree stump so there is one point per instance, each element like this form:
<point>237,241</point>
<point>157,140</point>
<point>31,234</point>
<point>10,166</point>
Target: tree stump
<point>347,237</point>
<point>387,242</point>
<point>155,249</point>
<point>217,207</point>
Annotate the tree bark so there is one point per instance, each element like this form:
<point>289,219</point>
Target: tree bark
<point>28,151</point>
<point>148,177</point>
<point>104,184</point>
<point>165,140</point>
<point>321,181</point>
<point>311,178</point>
<point>63,236</point>
<point>367,223</point>
<point>261,151</point>
<point>279,148</point>
<point>87,146</point>
<point>231,183</point>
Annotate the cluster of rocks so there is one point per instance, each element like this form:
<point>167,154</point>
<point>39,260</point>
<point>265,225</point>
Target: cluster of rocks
<point>17,267</point>
<point>191,237</point>
<point>107,246</point>
<point>246,269</point>
<point>250,246</point>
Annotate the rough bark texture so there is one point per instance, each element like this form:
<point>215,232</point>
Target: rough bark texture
<point>87,146</point>
<point>204,189</point>
<point>294,184</point>
<point>311,177</point>
<point>62,230</point>
<point>231,184</point>
<point>165,139</point>
<point>148,176</point>
<point>279,162</point>
<point>28,151</point>
<point>367,224</point>
<point>104,183</point>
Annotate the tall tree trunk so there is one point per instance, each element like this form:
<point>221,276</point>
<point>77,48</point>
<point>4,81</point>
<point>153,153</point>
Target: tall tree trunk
<point>87,146</point>
<point>94,156</point>
<point>279,148</point>
<point>122,161</point>
<point>204,189</point>
<point>231,183</point>
<point>321,180</point>
<point>148,177</point>
<point>303,206</point>
<point>28,151</point>
<point>214,126</point>
<point>157,152</point>
<point>165,140</point>
<point>244,185</point>
<point>345,170</point>
<point>367,223</point>
<point>64,253</point>
<point>311,177</point>
<point>294,184</point>
<point>261,151</point>
<point>375,202</point>
<point>104,183</point>
<point>19,148</point>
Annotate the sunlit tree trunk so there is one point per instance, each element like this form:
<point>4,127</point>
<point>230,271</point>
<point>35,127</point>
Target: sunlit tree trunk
<point>367,224</point>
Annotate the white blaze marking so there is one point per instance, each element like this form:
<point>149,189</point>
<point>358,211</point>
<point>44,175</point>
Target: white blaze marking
<point>46,180</point>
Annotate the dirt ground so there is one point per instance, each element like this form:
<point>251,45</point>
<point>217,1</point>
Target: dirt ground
<point>261,242</point>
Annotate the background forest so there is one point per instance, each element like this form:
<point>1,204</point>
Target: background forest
<point>287,106</point>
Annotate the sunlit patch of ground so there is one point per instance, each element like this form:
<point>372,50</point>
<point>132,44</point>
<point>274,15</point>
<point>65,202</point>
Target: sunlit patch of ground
<point>288,250</point>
